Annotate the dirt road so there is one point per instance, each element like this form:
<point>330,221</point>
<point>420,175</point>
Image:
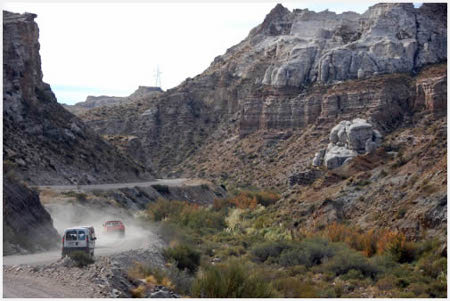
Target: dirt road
<point>168,182</point>
<point>105,246</point>
<point>22,286</point>
<point>139,241</point>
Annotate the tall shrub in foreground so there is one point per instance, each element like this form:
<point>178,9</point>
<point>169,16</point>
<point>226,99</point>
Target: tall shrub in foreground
<point>230,280</point>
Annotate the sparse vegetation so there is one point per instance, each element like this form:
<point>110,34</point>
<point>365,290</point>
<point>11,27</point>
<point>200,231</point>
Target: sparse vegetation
<point>230,280</point>
<point>226,249</point>
<point>81,258</point>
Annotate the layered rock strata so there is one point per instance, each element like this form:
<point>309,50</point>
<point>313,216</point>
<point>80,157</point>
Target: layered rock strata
<point>294,70</point>
<point>45,143</point>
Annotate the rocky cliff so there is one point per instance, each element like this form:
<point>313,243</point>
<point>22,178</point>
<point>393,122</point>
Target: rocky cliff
<point>294,70</point>
<point>45,143</point>
<point>260,112</point>
<point>27,226</point>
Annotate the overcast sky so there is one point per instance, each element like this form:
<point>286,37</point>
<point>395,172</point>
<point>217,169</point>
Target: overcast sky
<point>112,48</point>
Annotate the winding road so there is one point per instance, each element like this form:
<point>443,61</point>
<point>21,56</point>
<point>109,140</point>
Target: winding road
<point>137,237</point>
<point>91,187</point>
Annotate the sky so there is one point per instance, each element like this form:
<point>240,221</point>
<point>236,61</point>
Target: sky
<point>112,48</point>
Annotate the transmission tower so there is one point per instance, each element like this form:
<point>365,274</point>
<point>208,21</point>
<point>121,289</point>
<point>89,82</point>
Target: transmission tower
<point>158,77</point>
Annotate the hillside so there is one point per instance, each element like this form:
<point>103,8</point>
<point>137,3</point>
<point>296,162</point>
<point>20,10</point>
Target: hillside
<point>310,160</point>
<point>259,114</point>
<point>42,141</point>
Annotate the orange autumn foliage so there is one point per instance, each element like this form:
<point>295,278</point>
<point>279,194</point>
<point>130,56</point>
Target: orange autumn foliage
<point>371,242</point>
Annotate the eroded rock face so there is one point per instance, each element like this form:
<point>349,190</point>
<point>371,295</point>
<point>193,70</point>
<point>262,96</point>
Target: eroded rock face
<point>303,46</point>
<point>295,69</point>
<point>347,140</point>
<point>431,94</point>
<point>46,143</point>
<point>27,226</point>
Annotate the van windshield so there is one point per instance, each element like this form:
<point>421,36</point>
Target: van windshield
<point>81,235</point>
<point>71,235</point>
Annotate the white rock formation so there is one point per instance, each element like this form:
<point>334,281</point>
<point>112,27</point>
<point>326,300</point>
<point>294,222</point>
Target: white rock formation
<point>347,140</point>
<point>303,46</point>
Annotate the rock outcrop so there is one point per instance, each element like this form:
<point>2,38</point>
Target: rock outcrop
<point>27,226</point>
<point>431,94</point>
<point>302,47</point>
<point>347,140</point>
<point>98,101</point>
<point>46,143</point>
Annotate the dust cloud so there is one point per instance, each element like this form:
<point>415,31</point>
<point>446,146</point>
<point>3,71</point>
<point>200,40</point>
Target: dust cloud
<point>137,233</point>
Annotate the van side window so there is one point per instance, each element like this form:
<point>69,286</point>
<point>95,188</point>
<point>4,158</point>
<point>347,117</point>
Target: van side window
<point>71,235</point>
<point>81,235</point>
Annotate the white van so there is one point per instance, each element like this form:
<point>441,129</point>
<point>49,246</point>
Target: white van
<point>81,238</point>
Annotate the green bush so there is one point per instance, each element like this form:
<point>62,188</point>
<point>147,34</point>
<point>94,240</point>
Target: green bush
<point>81,258</point>
<point>401,250</point>
<point>347,260</point>
<point>163,208</point>
<point>268,249</point>
<point>309,252</point>
<point>200,218</point>
<point>230,280</point>
<point>292,287</point>
<point>184,256</point>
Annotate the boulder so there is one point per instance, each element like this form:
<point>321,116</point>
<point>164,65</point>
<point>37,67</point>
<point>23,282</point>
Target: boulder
<point>336,156</point>
<point>318,158</point>
<point>347,140</point>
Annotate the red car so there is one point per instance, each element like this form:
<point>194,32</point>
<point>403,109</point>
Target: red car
<point>110,227</point>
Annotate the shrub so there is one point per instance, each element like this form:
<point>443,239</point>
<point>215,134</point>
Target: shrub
<point>138,292</point>
<point>384,263</point>
<point>292,287</point>
<point>220,204</point>
<point>353,274</point>
<point>244,201</point>
<point>230,280</point>
<point>432,265</point>
<point>268,249</point>
<point>373,241</point>
<point>401,250</point>
<point>347,260</point>
<point>188,215</point>
<point>200,218</point>
<point>141,271</point>
<point>309,252</point>
<point>386,283</point>
<point>162,209</point>
<point>267,198</point>
<point>249,199</point>
<point>184,256</point>
<point>342,233</point>
<point>81,258</point>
